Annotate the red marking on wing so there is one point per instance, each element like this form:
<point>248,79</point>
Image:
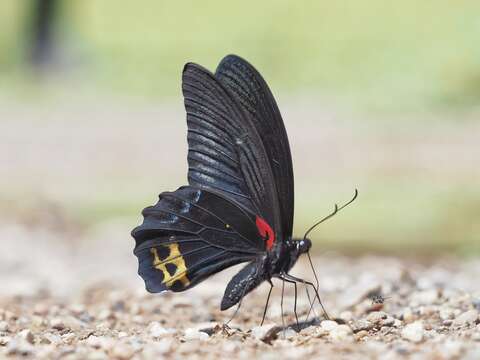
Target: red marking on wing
<point>265,231</point>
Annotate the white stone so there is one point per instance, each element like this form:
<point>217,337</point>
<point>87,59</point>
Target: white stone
<point>27,335</point>
<point>468,317</point>
<point>157,331</point>
<point>476,336</point>
<point>4,340</point>
<point>346,315</point>
<point>99,342</point>
<point>68,337</point>
<point>407,315</point>
<point>50,338</point>
<point>97,355</point>
<point>19,346</point>
<point>259,332</point>
<point>413,332</point>
<point>341,333</point>
<point>426,297</point>
<point>122,352</point>
<point>77,309</point>
<point>57,323</point>
<point>4,326</point>
<point>328,325</point>
<point>194,334</point>
<point>377,316</point>
<point>157,349</point>
<point>452,349</point>
<point>446,313</point>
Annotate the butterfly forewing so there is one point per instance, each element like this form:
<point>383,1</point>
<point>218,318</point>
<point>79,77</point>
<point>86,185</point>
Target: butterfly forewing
<point>255,97</point>
<point>226,153</point>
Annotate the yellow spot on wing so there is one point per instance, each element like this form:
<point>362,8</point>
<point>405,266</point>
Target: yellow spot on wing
<point>175,258</point>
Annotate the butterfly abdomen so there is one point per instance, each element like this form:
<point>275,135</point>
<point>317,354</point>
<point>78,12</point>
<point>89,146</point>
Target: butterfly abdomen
<point>242,283</point>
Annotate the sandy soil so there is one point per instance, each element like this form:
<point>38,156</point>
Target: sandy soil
<point>60,300</point>
<point>69,291</point>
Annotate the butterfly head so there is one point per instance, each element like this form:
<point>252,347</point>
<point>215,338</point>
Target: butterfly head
<point>295,248</point>
<point>303,245</point>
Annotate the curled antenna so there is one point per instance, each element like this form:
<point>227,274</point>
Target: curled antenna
<point>335,211</point>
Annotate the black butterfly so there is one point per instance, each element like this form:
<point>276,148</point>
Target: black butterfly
<point>238,206</point>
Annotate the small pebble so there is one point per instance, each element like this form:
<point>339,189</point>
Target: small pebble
<point>259,332</point>
<point>27,335</point>
<point>157,349</point>
<point>40,309</point>
<point>446,313</point>
<point>407,315</point>
<point>346,316</point>
<point>19,346</point>
<point>57,324</point>
<point>413,332</point>
<point>447,322</point>
<point>194,334</point>
<point>362,324</point>
<point>328,325</point>
<point>466,318</point>
<point>94,341</point>
<point>4,326</point>
<point>341,333</point>
<point>49,338</point>
<point>452,349</point>
<point>425,297</point>
<point>377,316</point>
<point>361,334</point>
<point>68,338</point>
<point>122,352</point>
<point>157,331</point>
<point>97,355</point>
<point>4,340</point>
<point>77,309</point>
<point>476,336</point>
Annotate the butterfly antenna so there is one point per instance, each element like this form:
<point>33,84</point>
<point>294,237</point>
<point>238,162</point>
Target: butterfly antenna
<point>335,211</point>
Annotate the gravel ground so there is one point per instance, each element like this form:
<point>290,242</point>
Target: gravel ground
<point>431,310</point>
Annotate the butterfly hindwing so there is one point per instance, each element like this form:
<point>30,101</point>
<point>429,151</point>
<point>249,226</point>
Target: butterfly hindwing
<point>191,234</point>
<point>179,263</point>
<point>255,97</point>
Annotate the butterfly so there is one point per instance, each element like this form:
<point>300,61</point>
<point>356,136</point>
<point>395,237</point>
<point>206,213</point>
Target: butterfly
<point>238,204</point>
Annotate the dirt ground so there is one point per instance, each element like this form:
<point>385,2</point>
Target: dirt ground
<point>74,176</point>
<point>60,301</point>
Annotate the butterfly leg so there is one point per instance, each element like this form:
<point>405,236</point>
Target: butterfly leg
<point>294,278</point>
<point>281,307</point>
<point>235,313</point>
<point>311,304</point>
<point>295,303</point>
<point>268,299</point>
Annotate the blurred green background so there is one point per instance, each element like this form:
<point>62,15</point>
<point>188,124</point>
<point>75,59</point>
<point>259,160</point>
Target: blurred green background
<point>376,95</point>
